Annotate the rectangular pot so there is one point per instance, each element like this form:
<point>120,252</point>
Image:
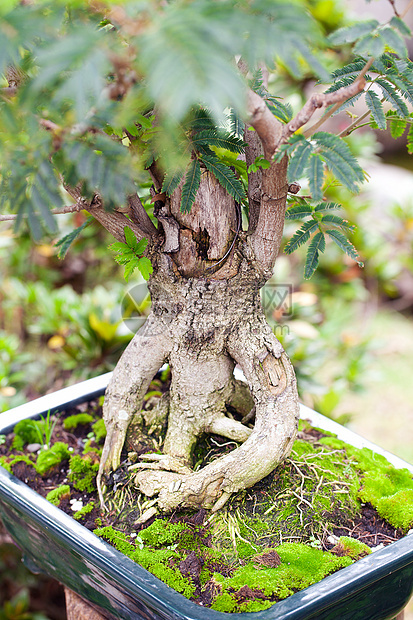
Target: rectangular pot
<point>374,588</point>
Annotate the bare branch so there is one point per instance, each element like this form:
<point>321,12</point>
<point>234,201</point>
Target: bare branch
<point>113,221</point>
<point>79,206</point>
<point>139,216</point>
<point>265,124</point>
<point>393,4</point>
<point>406,10</point>
<point>321,100</point>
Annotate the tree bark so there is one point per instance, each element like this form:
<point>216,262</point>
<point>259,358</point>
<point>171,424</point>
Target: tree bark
<point>206,317</point>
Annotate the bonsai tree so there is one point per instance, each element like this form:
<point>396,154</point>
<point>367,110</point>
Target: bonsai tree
<point>102,100</point>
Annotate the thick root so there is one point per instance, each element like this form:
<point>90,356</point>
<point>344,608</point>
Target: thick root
<point>124,395</point>
<point>272,382</point>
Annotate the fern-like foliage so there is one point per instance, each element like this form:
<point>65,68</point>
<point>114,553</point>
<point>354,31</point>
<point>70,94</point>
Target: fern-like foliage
<point>321,222</point>
<point>225,177</point>
<point>190,186</point>
<point>65,242</point>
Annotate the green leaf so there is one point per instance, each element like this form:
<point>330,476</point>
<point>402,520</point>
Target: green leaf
<point>298,212</point>
<point>130,267</point>
<point>317,244</point>
<point>190,186</point>
<point>316,176</point>
<point>344,244</point>
<point>330,218</point>
<point>225,177</point>
<point>401,26</point>
<point>130,238</point>
<point>392,97</point>
<point>349,34</point>
<point>325,207</point>
<point>283,112</point>
<point>299,160</point>
<point>376,108</point>
<point>339,159</point>
<point>350,70</point>
<point>397,126</point>
<point>40,206</point>
<point>221,140</point>
<point>394,41</point>
<point>370,45</point>
<point>145,267</point>
<point>141,246</point>
<point>410,140</point>
<point>236,124</point>
<point>65,242</point>
<point>301,236</point>
<point>171,182</point>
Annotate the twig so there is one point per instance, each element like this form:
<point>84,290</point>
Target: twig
<point>393,4</point>
<point>79,206</point>
<point>317,101</point>
<point>406,10</point>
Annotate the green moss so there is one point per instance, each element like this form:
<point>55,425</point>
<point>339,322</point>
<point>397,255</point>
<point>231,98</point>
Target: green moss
<point>159,562</point>
<point>5,462</point>
<point>397,509</point>
<point>47,459</point>
<point>56,495</point>
<point>27,431</point>
<point>225,603</point>
<point>300,567</point>
<point>90,448</point>
<point>78,419</point>
<point>84,511</point>
<point>99,430</point>
<point>23,458</point>
<point>353,548</point>
<point>82,473</point>
<point>161,533</point>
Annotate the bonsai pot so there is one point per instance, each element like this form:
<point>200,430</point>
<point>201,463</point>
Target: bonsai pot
<point>376,587</point>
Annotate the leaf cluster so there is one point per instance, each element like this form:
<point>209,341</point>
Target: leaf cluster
<point>321,222</point>
<point>129,255</point>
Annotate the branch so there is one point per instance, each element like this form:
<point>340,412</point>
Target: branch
<point>406,10</point>
<point>79,206</point>
<point>265,124</point>
<point>140,217</point>
<point>269,217</point>
<point>113,221</point>
<point>321,100</point>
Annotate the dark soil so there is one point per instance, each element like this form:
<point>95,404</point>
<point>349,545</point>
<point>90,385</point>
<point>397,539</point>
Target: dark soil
<point>368,528</point>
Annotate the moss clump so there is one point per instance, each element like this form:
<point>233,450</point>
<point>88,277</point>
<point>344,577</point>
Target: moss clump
<point>99,430</point>
<point>27,431</point>
<point>78,419</point>
<point>82,473</point>
<point>351,547</point>
<point>22,459</point>
<point>397,509</point>
<point>159,562</point>
<point>5,462</point>
<point>84,511</point>
<point>56,495</point>
<point>47,459</point>
<point>300,566</point>
<point>161,533</point>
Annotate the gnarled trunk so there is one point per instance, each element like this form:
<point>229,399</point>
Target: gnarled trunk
<point>206,317</point>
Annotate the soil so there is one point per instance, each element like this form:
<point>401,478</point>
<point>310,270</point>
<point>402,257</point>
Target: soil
<point>369,528</point>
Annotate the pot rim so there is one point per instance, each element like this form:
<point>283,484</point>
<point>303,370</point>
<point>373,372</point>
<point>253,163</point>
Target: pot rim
<point>140,583</point>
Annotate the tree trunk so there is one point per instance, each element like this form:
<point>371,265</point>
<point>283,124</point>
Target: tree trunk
<point>206,317</point>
